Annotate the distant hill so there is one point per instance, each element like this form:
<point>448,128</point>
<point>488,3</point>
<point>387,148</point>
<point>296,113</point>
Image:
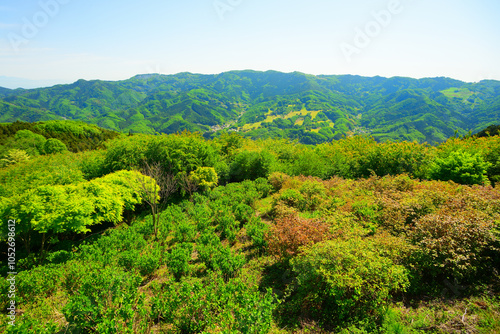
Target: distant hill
<point>309,108</point>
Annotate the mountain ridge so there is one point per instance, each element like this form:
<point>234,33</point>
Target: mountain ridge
<point>310,108</point>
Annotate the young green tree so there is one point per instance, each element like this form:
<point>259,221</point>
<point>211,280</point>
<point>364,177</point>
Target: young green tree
<point>52,209</point>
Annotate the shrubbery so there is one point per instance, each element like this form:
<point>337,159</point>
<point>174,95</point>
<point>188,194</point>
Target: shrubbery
<point>107,301</point>
<point>289,233</point>
<point>213,305</point>
<point>338,252</point>
<point>341,282</point>
<point>461,167</point>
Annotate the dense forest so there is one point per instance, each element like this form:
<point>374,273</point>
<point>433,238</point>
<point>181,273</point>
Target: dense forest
<point>260,105</point>
<point>184,233</point>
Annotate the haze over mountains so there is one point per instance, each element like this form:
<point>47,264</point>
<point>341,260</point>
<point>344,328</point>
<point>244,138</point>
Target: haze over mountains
<point>312,109</point>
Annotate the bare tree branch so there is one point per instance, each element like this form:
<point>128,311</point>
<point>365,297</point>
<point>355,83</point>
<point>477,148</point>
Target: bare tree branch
<point>154,197</point>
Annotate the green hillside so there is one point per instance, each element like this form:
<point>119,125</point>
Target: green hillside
<point>135,234</point>
<point>312,109</point>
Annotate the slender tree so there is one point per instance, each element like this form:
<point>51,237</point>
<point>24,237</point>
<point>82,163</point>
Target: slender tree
<point>154,197</point>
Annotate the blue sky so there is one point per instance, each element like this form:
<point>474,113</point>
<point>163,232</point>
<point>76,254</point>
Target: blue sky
<point>51,41</point>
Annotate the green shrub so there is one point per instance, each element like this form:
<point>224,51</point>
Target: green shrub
<point>145,261</point>
<point>242,212</point>
<point>184,230</point>
<point>228,226</point>
<point>213,305</point>
<point>218,257</point>
<point>53,145</point>
<point>251,165</point>
<point>39,282</point>
<point>290,197</point>
<point>205,177</point>
<point>342,282</point>
<point>277,179</point>
<point>178,259</point>
<point>314,193</point>
<point>461,167</point>
<point>257,230</point>
<point>107,301</point>
<point>262,187</point>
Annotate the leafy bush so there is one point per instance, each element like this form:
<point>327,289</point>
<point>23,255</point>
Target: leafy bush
<point>314,194</point>
<point>184,230</point>
<point>194,306</point>
<point>183,152</point>
<point>453,243</point>
<point>228,226</point>
<point>289,233</point>
<point>290,197</point>
<point>257,231</point>
<point>243,213</point>
<point>74,207</point>
<point>53,145</point>
<point>39,282</point>
<point>262,187</point>
<point>178,259</point>
<point>461,167</point>
<point>342,282</point>
<point>13,157</point>
<point>277,179</point>
<point>145,261</point>
<point>107,301</point>
<point>251,165</point>
<point>217,256</point>
<point>205,177</point>
<point>126,153</point>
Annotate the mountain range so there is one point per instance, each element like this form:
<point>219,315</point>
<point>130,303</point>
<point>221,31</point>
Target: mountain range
<point>310,108</point>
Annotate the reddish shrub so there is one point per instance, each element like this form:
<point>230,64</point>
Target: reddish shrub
<point>452,243</point>
<point>291,232</point>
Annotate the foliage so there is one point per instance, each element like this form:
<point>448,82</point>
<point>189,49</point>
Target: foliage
<point>461,167</point>
<point>346,281</point>
<point>76,136</point>
<point>335,230</point>
<point>290,233</point>
<point>251,165</point>
<point>277,179</point>
<point>107,301</point>
<point>453,243</point>
<point>13,157</point>
<point>257,231</point>
<point>44,170</point>
<point>53,145</point>
<point>193,306</point>
<point>74,207</point>
<point>217,256</point>
<point>178,259</point>
<point>205,177</point>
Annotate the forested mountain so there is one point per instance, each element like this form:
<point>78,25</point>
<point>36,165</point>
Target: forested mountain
<point>312,109</point>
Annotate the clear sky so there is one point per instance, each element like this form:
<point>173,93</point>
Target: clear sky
<point>52,41</point>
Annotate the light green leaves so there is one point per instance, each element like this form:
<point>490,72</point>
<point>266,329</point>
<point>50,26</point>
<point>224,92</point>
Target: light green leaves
<point>75,207</point>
